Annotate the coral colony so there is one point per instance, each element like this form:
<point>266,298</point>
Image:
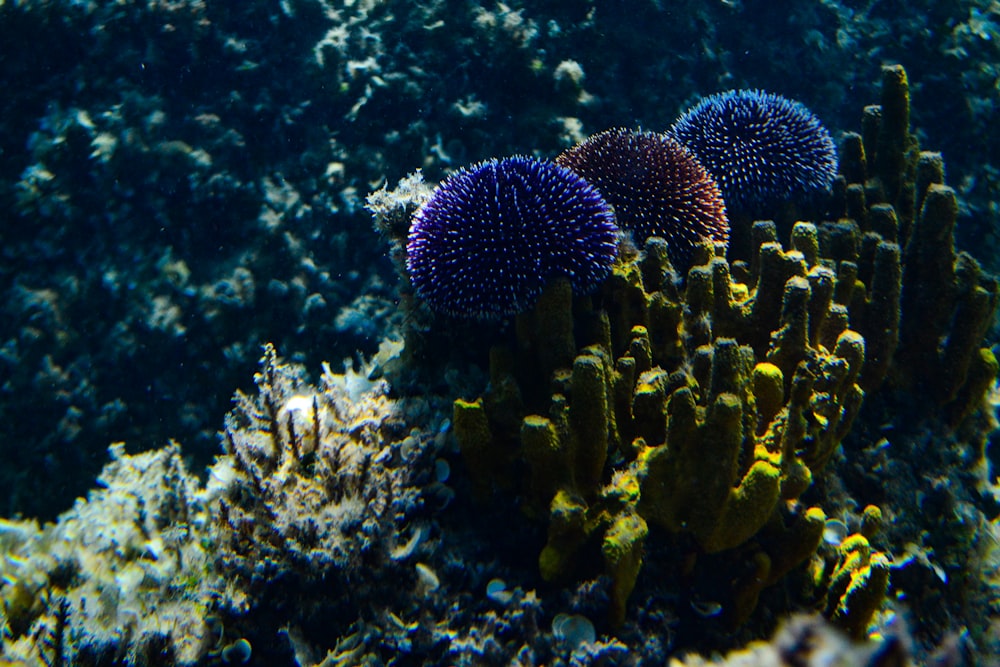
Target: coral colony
<point>492,236</point>
<point>706,410</point>
<point>710,412</point>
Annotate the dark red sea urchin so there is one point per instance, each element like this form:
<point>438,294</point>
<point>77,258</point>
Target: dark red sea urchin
<point>657,187</point>
<point>492,235</point>
<point>760,147</point>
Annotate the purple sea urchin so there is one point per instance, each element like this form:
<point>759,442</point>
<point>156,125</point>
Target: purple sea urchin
<point>760,147</point>
<point>492,235</point>
<point>657,186</point>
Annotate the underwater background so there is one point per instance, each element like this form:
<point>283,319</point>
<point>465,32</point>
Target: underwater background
<point>232,432</point>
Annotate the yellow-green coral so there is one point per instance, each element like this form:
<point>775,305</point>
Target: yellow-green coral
<point>922,306</point>
<point>689,481</point>
<point>720,424</point>
<point>567,531</point>
<point>472,429</point>
<point>622,550</point>
<point>856,586</point>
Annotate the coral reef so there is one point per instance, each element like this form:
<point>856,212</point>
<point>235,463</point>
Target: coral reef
<point>182,181</point>
<point>584,395</point>
<point>709,409</point>
<point>897,237</point>
<point>325,485</point>
<point>279,556</point>
<point>705,434</point>
<point>149,154</point>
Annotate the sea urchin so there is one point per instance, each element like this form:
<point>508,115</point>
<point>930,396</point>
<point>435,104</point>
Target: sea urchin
<point>492,235</point>
<point>657,186</point>
<point>760,147</point>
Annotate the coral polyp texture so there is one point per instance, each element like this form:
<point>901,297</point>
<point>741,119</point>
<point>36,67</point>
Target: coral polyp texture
<point>491,236</point>
<point>762,148</point>
<point>657,187</point>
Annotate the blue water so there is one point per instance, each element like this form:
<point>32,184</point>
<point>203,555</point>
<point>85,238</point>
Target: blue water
<point>183,182</point>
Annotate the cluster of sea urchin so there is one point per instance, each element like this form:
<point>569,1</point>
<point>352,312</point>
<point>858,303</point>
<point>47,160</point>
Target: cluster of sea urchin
<point>492,235</point>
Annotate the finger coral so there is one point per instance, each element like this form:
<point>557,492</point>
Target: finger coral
<point>689,427</point>
<point>897,240</point>
<point>709,410</point>
<point>742,398</point>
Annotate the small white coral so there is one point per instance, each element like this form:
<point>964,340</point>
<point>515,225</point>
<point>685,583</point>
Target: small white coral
<point>569,72</point>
